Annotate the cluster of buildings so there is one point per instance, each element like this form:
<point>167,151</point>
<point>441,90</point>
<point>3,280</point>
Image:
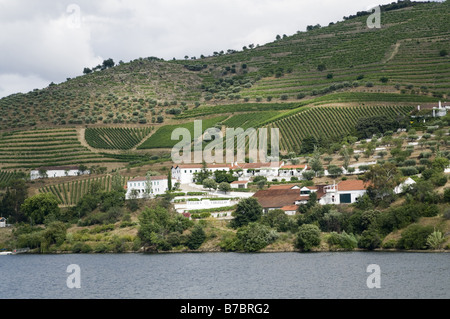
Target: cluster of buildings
<point>286,197</point>
<point>289,197</point>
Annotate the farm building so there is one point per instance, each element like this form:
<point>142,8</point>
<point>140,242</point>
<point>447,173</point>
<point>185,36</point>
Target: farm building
<point>57,171</point>
<point>158,186</point>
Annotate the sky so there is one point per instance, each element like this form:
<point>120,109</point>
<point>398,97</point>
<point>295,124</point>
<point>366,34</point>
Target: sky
<point>49,41</point>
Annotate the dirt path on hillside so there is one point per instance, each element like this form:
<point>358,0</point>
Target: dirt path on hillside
<point>80,135</point>
<point>394,52</point>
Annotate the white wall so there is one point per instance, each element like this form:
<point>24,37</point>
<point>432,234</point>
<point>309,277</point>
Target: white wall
<point>57,173</point>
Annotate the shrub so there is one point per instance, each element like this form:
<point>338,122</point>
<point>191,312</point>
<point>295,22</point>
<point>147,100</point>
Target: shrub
<point>255,236</point>
<point>415,237</point>
<point>390,244</point>
<point>344,240</point>
<point>370,239</point>
<point>435,240</point>
<point>196,238</point>
<point>308,237</point>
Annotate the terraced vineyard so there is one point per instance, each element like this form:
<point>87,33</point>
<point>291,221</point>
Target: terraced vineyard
<point>328,122</point>
<point>116,138</point>
<point>6,177</point>
<point>31,149</point>
<point>71,192</point>
<point>162,137</point>
<point>248,120</point>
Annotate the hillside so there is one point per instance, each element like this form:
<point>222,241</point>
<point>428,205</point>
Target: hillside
<point>330,76</point>
<point>405,51</point>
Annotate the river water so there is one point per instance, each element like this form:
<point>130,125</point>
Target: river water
<point>336,275</point>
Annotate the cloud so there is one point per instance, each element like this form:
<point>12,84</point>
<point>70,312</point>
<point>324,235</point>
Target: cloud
<point>14,83</point>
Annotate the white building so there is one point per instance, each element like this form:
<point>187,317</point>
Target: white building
<point>288,171</point>
<point>441,110</point>
<point>2,222</point>
<point>345,192</point>
<point>239,184</point>
<point>158,186</point>
<point>404,185</point>
<point>184,173</point>
<point>249,170</point>
<point>57,171</point>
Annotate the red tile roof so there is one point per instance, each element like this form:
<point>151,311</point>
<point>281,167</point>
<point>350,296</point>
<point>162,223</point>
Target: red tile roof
<point>286,186</point>
<point>240,182</point>
<point>277,198</point>
<point>290,208</point>
<point>352,185</point>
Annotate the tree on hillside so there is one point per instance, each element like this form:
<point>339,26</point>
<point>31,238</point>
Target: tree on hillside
<point>308,145</point>
<point>210,184</point>
<point>225,187</point>
<point>108,63</point>
<point>10,205</point>
<point>369,126</point>
<point>248,210</point>
<point>40,206</point>
<point>383,179</point>
<point>308,237</point>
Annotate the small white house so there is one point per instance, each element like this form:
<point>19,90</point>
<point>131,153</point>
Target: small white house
<point>404,185</point>
<point>57,171</point>
<point>2,222</point>
<point>239,184</point>
<point>157,185</point>
<point>346,192</point>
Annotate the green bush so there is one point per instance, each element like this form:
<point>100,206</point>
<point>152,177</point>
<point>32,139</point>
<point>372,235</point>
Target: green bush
<point>308,237</point>
<point>255,236</point>
<point>343,240</point>
<point>196,238</point>
<point>390,244</point>
<point>415,237</point>
<point>370,239</point>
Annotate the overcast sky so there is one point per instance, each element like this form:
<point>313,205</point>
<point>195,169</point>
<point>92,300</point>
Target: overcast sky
<point>48,41</point>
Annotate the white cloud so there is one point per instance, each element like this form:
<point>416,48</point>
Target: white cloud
<point>14,83</point>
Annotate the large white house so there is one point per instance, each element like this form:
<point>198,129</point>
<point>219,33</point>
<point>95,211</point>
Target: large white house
<point>57,171</point>
<point>184,173</point>
<point>157,185</point>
